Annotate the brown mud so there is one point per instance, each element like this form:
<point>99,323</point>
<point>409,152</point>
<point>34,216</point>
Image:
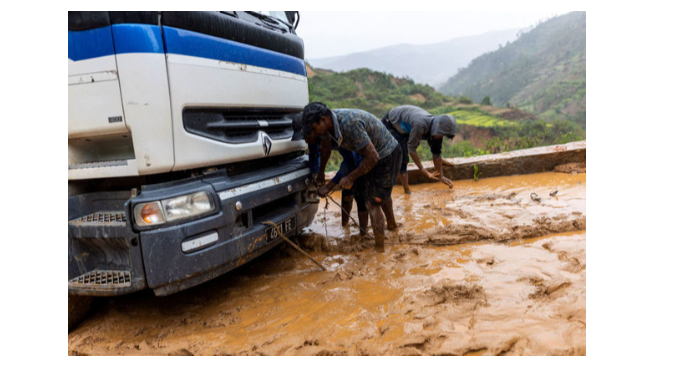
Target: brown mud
<point>480,269</point>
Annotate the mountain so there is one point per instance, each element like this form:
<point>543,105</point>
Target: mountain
<point>542,72</point>
<point>429,64</point>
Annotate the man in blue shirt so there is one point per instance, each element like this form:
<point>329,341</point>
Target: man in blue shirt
<point>361,132</point>
<point>351,161</point>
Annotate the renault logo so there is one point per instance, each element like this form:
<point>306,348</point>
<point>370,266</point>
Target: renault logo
<point>266,142</point>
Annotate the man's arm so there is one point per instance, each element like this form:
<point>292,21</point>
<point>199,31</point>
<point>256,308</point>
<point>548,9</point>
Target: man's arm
<point>418,162</point>
<point>369,159</point>
<point>346,166</point>
<point>412,144</point>
<point>436,144</point>
<point>325,156</point>
<point>438,164</point>
<point>314,160</point>
<point>325,189</point>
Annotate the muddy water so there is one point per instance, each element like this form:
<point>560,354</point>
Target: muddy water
<point>480,269</point>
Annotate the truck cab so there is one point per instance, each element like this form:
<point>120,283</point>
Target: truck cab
<point>181,146</point>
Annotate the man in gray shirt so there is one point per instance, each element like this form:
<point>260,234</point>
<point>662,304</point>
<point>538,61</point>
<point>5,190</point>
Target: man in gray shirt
<point>409,125</point>
<point>361,132</point>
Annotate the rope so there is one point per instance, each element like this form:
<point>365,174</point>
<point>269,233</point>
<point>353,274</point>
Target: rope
<point>343,210</point>
<point>293,244</point>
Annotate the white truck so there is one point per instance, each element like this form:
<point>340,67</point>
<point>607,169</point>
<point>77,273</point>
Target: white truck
<point>181,146</point>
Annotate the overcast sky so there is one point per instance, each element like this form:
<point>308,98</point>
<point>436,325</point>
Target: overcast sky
<point>329,34</point>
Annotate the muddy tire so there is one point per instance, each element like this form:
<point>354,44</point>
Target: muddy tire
<point>78,308</point>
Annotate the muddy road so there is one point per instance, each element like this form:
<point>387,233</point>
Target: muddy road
<point>480,269</point>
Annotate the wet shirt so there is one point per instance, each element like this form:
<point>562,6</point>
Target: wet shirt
<point>351,161</point>
<point>413,121</point>
<point>355,128</point>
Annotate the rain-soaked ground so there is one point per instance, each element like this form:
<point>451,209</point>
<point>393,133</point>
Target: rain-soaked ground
<point>480,269</point>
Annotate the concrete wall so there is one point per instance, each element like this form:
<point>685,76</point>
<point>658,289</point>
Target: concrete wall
<point>528,161</point>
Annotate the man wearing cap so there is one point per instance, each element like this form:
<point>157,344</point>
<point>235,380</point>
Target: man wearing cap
<point>409,125</point>
<point>351,161</point>
<point>361,132</point>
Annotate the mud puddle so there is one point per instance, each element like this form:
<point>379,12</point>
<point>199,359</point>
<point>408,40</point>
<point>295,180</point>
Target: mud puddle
<point>480,269</point>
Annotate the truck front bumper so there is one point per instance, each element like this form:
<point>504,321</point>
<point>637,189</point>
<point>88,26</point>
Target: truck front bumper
<point>107,261</point>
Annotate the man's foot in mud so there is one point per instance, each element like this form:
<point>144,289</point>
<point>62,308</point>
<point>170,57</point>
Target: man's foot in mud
<point>407,190</point>
<point>395,226</point>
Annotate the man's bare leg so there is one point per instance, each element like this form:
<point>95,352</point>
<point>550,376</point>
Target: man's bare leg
<point>363,216</point>
<point>405,183</point>
<point>377,224</point>
<point>347,209</point>
<point>387,207</point>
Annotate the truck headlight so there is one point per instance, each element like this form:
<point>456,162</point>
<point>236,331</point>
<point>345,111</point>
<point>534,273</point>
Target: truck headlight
<point>149,213</point>
<point>173,209</point>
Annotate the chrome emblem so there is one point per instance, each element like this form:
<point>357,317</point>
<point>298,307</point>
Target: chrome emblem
<point>266,142</point>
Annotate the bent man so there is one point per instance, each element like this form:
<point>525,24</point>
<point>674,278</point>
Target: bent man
<point>351,161</point>
<point>409,125</point>
<point>361,132</point>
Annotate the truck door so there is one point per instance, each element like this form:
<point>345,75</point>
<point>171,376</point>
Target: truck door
<point>119,103</point>
<point>95,105</point>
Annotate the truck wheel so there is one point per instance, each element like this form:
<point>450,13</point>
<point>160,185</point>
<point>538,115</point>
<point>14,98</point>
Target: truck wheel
<point>78,309</point>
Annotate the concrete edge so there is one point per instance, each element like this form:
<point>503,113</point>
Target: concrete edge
<point>526,161</point>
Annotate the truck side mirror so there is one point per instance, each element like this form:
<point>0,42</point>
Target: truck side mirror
<point>293,18</point>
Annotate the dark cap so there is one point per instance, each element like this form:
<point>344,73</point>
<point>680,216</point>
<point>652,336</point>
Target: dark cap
<point>312,113</point>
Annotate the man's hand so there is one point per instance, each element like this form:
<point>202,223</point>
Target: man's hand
<point>320,178</point>
<point>346,182</point>
<point>433,176</point>
<point>312,178</point>
<point>447,182</point>
<point>323,191</point>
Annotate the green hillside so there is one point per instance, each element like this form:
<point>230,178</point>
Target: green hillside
<point>542,72</point>
<point>483,129</point>
<point>374,91</point>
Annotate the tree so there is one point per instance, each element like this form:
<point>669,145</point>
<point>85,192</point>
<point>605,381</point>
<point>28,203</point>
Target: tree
<point>486,101</point>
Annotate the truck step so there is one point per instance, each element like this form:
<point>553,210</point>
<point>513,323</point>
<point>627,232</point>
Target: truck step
<point>97,164</point>
<point>102,279</point>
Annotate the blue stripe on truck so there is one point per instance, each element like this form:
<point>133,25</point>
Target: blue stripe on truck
<point>90,44</point>
<point>143,38</point>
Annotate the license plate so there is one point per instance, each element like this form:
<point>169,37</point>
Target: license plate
<point>285,227</point>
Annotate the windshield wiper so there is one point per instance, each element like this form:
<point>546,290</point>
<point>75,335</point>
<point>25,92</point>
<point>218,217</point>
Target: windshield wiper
<point>268,18</point>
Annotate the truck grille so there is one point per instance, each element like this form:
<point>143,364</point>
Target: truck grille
<point>239,126</point>
<point>103,279</point>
